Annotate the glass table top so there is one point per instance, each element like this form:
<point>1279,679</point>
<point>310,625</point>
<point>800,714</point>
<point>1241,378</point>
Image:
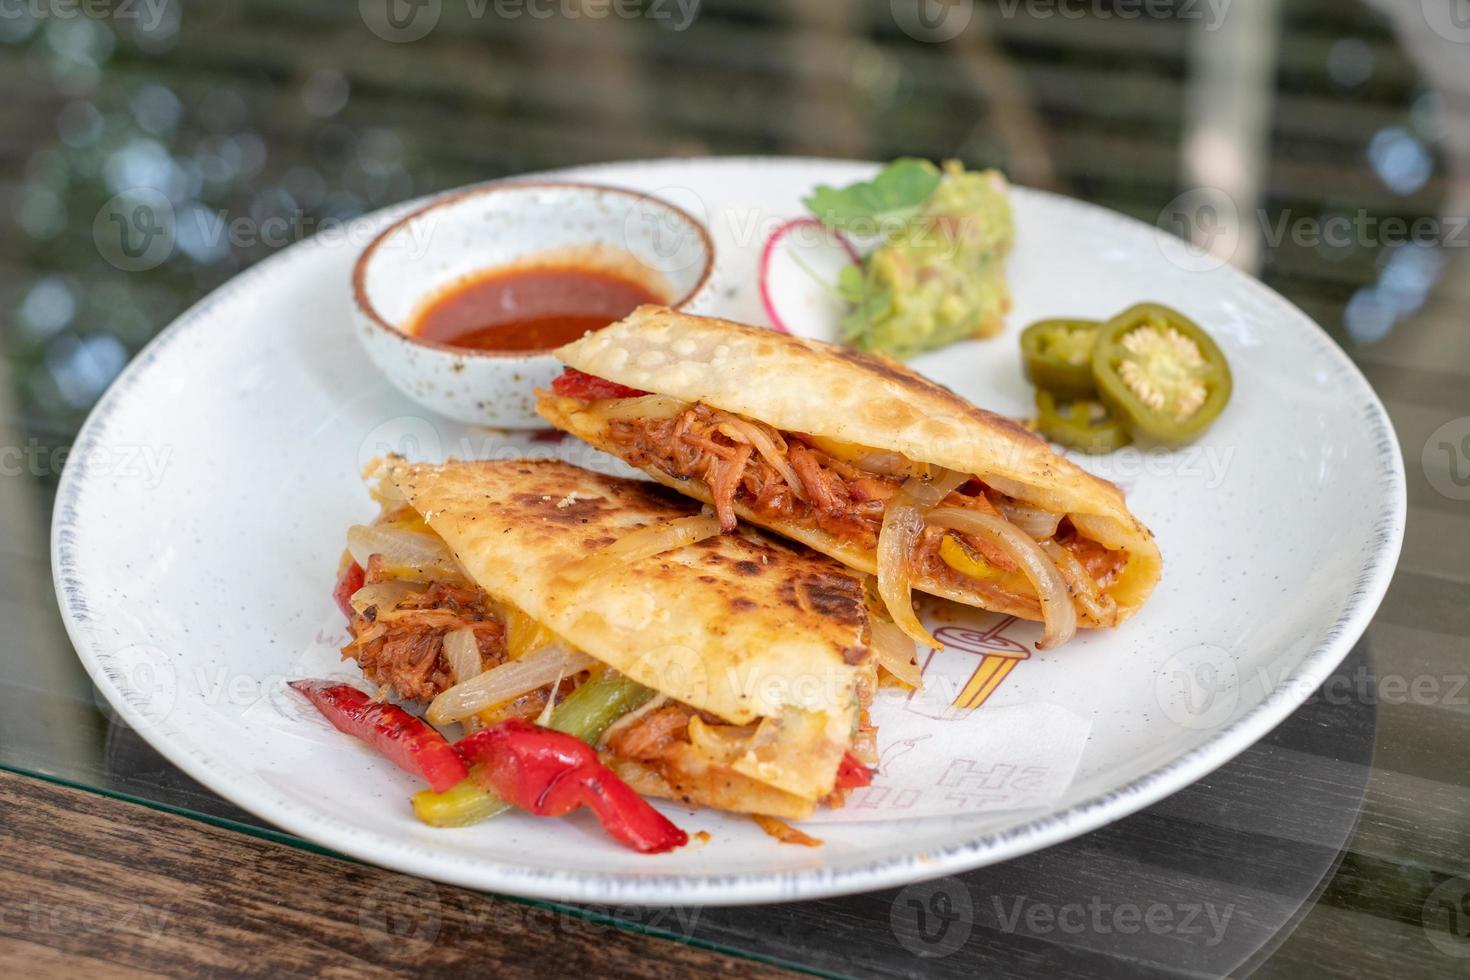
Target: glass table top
<point>1323,146</point>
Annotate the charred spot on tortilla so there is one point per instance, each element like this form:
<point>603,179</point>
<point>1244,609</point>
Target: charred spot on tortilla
<point>748,567</point>
<point>558,509</point>
<point>740,603</point>
<point>835,596</point>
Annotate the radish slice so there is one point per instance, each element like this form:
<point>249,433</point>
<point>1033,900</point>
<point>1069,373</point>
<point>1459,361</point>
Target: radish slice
<point>768,253</point>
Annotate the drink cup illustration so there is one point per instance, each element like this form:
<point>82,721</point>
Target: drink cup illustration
<point>998,655</point>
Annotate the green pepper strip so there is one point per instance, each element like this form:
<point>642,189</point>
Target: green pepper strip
<point>585,713</point>
<point>592,708</point>
<point>1058,356</point>
<point>1160,375</point>
<point>1084,424</point>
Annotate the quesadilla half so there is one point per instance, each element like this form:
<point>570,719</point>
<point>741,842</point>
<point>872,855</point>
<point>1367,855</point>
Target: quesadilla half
<point>491,588</point>
<point>863,460</point>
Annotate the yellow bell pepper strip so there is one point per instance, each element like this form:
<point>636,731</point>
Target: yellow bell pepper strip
<point>965,561</point>
<point>467,802</point>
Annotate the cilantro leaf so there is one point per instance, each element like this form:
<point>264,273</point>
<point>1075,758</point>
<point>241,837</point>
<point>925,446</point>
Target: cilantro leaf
<point>868,207</point>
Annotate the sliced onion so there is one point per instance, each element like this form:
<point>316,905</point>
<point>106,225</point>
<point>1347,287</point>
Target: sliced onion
<point>1011,488</point>
<point>643,543</point>
<point>1101,607</point>
<point>889,464</point>
<point>544,718</point>
<point>645,407</point>
<point>1057,612</point>
<point>385,595</point>
<point>879,461</point>
<point>507,682</point>
<point>896,652</point>
<point>463,654</point>
<point>406,554</point>
<point>1040,524</point>
<point>903,522</point>
<point>742,431</point>
<point>929,491</point>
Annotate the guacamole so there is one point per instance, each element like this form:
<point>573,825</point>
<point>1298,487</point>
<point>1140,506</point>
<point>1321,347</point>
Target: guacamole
<point>939,276</point>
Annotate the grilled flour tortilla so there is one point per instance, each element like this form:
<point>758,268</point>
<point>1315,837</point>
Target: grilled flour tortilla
<point>764,644</point>
<point>863,460</point>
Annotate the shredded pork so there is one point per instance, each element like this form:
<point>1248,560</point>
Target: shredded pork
<point>808,486</point>
<point>654,737</point>
<point>801,483</point>
<point>403,648</point>
<point>1103,565</point>
<point>657,738</point>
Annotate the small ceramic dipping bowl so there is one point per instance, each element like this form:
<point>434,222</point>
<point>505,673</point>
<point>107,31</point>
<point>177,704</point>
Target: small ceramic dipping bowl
<point>464,236</point>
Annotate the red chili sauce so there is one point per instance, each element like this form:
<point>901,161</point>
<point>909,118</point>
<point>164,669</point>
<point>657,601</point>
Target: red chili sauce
<point>534,308</point>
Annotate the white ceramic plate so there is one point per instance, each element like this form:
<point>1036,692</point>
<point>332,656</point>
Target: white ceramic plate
<point>200,520</point>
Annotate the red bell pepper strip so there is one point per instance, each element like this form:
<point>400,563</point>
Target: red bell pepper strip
<point>550,773</point>
<point>410,743</point>
<point>351,579</point>
<point>851,773</point>
<point>572,383</point>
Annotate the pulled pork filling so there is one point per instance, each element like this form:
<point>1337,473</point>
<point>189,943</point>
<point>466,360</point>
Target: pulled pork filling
<point>654,736</point>
<point>657,737</point>
<point>786,475</point>
<point>789,479</point>
<point>403,647</point>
